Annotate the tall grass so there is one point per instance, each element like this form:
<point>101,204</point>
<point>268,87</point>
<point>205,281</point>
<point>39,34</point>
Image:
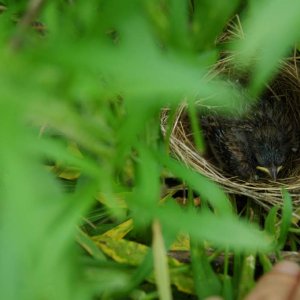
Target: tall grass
<point>82,101</point>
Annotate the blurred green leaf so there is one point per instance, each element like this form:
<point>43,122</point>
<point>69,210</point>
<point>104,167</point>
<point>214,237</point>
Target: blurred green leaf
<point>87,243</point>
<point>108,281</point>
<point>270,30</point>
<point>143,201</point>
<point>179,24</point>
<point>209,19</point>
<point>220,230</point>
<point>197,136</point>
<point>99,78</point>
<point>207,190</point>
<point>36,256</point>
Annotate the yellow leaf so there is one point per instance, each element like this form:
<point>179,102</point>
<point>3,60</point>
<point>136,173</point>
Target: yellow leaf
<point>133,253</point>
<point>69,174</point>
<point>182,242</point>
<point>123,251</point>
<point>117,201</point>
<point>117,232</point>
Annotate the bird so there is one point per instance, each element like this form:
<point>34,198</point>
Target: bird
<point>228,145</point>
<point>263,143</point>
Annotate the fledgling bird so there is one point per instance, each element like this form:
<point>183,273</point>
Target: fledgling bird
<point>228,144</point>
<point>263,142</point>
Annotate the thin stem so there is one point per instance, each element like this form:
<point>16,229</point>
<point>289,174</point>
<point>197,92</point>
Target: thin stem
<point>33,9</point>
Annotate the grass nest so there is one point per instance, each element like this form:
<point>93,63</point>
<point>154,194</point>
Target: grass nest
<point>286,85</point>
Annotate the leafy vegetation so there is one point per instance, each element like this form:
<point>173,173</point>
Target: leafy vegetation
<point>85,213</point>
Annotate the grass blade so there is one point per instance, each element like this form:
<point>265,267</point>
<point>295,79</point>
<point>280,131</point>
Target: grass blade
<point>206,281</point>
<point>286,219</point>
<point>161,269</point>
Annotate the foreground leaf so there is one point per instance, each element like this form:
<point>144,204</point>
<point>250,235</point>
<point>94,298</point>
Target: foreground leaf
<point>161,271</point>
<point>221,231</point>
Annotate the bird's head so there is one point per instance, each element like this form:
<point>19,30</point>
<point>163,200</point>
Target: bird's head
<point>271,149</point>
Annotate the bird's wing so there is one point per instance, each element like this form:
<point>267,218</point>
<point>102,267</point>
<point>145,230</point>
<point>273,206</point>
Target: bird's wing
<point>228,143</point>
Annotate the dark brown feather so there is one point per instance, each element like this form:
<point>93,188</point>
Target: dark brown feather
<point>266,136</point>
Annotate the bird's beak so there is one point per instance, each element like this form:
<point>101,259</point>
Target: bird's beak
<point>273,171</point>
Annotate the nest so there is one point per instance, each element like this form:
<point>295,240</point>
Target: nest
<point>267,193</point>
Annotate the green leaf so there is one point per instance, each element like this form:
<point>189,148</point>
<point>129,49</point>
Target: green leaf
<point>220,230</point>
<point>135,254</point>
<point>265,262</point>
<point>227,288</point>
<point>121,250</point>
<point>118,232</point>
<point>286,218</point>
<point>209,19</point>
<point>197,134</point>
<point>206,281</point>
<point>143,200</point>
<point>179,24</point>
<point>271,220</point>
<point>207,190</point>
<point>247,276</point>
<point>270,31</point>
<point>87,243</point>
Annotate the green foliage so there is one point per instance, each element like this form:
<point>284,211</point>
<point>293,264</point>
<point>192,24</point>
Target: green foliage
<point>210,19</point>
<point>271,30</point>
<point>286,220</point>
<point>206,281</point>
<point>83,94</point>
